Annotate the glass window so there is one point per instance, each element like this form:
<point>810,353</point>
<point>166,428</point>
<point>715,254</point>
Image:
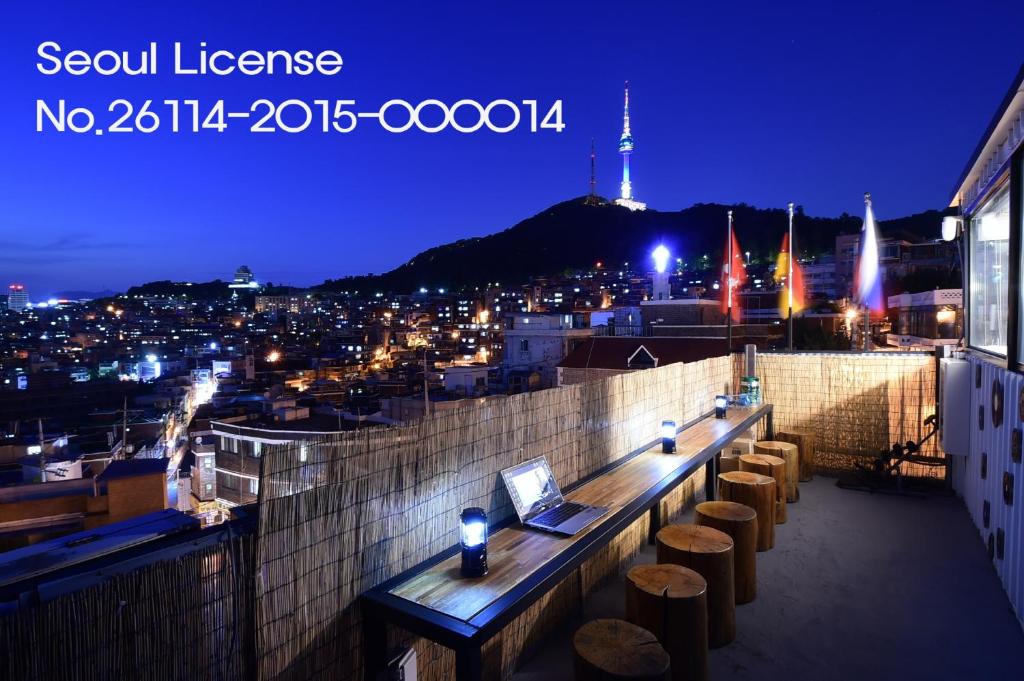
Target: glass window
<point>989,266</point>
<point>1019,228</point>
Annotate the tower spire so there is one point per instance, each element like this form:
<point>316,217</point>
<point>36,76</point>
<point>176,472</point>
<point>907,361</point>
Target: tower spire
<point>592,199</point>
<point>626,148</point>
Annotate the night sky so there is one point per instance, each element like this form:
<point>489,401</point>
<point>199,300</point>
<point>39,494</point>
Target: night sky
<point>755,102</point>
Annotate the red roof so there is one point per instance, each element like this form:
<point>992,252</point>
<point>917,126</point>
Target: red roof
<point>613,352</point>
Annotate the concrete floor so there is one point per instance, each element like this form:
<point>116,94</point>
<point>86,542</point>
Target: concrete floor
<point>858,587</point>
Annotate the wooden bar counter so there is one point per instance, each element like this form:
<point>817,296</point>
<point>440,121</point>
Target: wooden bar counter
<point>434,601</point>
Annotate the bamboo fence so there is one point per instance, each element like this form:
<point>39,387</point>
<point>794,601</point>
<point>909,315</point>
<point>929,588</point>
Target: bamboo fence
<point>856,404</point>
<point>185,618</point>
<point>342,514</point>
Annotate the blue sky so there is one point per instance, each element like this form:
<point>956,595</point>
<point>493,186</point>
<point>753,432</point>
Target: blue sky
<point>756,102</point>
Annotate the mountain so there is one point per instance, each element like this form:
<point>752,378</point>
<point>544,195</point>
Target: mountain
<point>574,235</point>
<point>83,295</point>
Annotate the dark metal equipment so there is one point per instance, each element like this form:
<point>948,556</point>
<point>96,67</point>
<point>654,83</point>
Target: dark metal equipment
<point>884,474</point>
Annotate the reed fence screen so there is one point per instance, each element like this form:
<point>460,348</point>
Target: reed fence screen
<point>856,404</point>
<point>342,514</point>
<point>188,617</point>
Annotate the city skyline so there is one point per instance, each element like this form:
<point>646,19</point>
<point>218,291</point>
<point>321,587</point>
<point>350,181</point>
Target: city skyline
<point>191,207</point>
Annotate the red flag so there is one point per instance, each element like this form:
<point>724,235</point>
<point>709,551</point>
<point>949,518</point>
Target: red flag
<point>739,277</point>
<point>782,273</point>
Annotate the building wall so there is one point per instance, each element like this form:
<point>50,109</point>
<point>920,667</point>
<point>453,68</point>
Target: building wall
<point>991,466</point>
<point>133,496</point>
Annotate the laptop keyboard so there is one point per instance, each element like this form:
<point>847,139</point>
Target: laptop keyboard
<point>553,517</point>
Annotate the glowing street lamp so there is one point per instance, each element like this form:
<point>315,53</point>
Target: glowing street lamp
<point>661,257</point>
<point>273,356</point>
<point>474,542</point>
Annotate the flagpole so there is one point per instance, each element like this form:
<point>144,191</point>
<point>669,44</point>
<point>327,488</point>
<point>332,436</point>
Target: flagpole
<point>728,274</point>
<point>789,279</point>
<point>867,308</point>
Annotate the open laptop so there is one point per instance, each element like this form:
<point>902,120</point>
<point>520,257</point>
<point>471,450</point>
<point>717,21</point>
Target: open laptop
<point>539,502</point>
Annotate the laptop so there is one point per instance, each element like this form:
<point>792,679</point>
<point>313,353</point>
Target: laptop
<point>539,502</point>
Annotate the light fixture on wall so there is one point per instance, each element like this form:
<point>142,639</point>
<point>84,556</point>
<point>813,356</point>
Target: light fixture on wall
<point>951,226</point>
<point>474,542</point>
<point>721,406</point>
<point>668,437</point>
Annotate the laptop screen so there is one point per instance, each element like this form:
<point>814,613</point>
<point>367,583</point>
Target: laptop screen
<point>531,486</point>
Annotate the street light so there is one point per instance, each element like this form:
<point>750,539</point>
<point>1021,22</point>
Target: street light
<point>661,257</point>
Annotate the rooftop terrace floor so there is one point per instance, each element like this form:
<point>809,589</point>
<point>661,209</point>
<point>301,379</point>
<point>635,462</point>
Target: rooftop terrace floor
<point>858,586</point>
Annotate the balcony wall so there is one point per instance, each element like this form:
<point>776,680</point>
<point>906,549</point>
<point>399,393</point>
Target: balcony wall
<point>991,477</point>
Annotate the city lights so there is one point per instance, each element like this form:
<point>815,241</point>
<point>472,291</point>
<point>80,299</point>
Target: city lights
<point>273,356</point>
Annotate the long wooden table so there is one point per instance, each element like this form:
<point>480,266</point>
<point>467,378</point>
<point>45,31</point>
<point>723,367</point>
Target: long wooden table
<point>433,601</point>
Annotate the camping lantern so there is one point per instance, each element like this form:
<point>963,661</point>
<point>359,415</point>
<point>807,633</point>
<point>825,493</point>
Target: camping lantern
<point>474,542</point>
<point>668,437</point>
<point>721,406</point>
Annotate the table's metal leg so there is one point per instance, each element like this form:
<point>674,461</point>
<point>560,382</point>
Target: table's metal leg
<point>655,522</point>
<point>769,425</point>
<point>375,647</point>
<point>711,477</point>
<point>469,664</point>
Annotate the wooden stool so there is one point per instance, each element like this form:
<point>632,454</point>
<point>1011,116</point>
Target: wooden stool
<point>710,553</point>
<point>790,453</point>
<point>804,441</point>
<point>740,523</point>
<point>607,650</point>
<point>728,463</point>
<point>757,492</point>
<point>772,466</point>
<point>671,602</point>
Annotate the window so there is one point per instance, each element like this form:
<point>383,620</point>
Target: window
<point>1019,229</point>
<point>254,486</point>
<point>524,345</point>
<point>988,306</point>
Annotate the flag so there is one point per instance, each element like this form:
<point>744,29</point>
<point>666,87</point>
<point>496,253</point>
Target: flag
<point>739,276</point>
<point>867,280</point>
<point>782,273</point>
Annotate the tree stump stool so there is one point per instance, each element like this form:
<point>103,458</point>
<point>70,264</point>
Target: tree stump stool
<point>804,441</point>
<point>615,650</point>
<point>790,453</point>
<point>757,492</point>
<point>740,523</point>
<point>671,602</point>
<point>728,463</point>
<point>774,467</point>
<point>710,553</point>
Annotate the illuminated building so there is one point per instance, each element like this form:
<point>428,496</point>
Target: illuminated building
<point>626,149</point>
<point>17,297</point>
<point>244,278</point>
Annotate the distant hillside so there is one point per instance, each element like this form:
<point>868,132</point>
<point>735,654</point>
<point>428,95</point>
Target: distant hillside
<point>573,235</point>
